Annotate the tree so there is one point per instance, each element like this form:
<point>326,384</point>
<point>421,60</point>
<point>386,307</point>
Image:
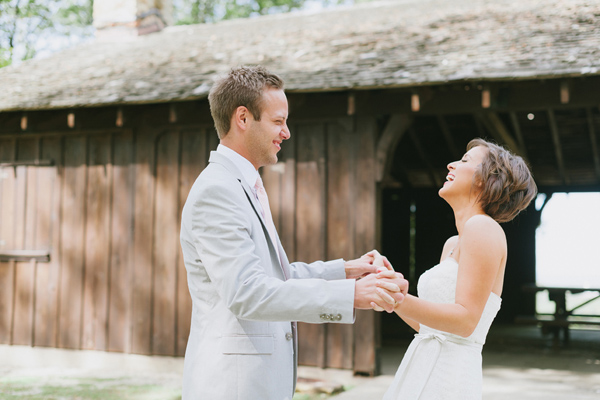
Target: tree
<point>27,27</point>
<point>33,27</point>
<point>201,11</point>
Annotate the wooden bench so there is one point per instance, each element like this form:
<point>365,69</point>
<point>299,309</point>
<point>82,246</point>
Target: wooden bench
<point>562,319</point>
<point>551,325</point>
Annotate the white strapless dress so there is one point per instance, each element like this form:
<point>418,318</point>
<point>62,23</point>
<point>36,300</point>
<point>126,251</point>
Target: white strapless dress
<point>439,365</point>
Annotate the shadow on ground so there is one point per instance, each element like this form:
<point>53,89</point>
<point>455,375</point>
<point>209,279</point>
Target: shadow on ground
<point>518,364</point>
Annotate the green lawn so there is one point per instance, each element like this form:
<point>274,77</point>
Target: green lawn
<point>63,387</point>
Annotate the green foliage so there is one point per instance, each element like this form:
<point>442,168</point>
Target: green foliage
<point>201,11</point>
<point>69,387</point>
<point>24,24</point>
<point>28,27</point>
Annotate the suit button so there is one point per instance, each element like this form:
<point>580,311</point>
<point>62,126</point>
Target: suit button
<point>323,317</point>
<point>289,336</point>
<point>338,317</point>
<point>330,317</point>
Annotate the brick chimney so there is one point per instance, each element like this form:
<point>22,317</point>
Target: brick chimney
<point>130,18</point>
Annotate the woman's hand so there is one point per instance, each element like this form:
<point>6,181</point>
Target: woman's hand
<point>385,276</point>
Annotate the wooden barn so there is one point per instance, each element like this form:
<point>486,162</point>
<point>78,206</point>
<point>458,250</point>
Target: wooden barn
<point>100,144</point>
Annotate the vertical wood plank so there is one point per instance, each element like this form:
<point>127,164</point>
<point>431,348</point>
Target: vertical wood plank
<point>367,324</point>
<point>7,237</point>
<point>213,141</point>
<point>165,244</point>
<point>47,275</point>
<point>287,212</point>
<point>142,242</point>
<point>271,176</point>
<point>27,150</point>
<point>310,218</point>
<point>95,300</point>
<point>121,238</point>
<point>193,161</point>
<point>72,243</point>
<point>340,229</point>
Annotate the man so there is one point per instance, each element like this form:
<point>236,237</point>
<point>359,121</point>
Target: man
<point>245,293</point>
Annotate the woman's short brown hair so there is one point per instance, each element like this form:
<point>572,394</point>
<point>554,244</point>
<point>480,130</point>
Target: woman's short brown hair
<point>507,186</point>
<point>243,86</point>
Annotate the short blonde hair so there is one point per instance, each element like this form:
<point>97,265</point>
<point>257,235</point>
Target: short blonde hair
<point>507,185</point>
<point>243,86</point>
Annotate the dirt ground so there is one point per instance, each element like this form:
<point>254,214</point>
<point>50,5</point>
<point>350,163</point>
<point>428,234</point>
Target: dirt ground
<point>519,364</point>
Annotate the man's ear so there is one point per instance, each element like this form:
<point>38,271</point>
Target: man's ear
<point>240,117</point>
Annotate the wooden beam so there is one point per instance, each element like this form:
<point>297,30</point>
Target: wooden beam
<point>448,137</point>
<point>34,163</point>
<point>593,142</point>
<point>564,92</point>
<point>423,155</point>
<point>392,133</point>
<point>518,133</point>
<point>351,104</point>
<point>486,97</point>
<point>172,113</point>
<point>557,146</point>
<point>119,118</point>
<point>24,255</point>
<point>415,102</point>
<point>496,128</point>
<point>71,120</point>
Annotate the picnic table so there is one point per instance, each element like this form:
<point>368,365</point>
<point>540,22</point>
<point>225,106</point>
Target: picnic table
<point>563,318</point>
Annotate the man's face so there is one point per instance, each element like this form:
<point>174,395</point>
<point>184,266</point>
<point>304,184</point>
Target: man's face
<point>265,136</point>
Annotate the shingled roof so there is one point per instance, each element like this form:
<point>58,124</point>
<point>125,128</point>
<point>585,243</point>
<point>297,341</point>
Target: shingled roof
<point>373,45</point>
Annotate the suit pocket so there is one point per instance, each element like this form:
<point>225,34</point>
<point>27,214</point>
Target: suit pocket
<point>255,344</point>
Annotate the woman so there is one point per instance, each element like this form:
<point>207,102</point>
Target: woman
<point>459,297</point>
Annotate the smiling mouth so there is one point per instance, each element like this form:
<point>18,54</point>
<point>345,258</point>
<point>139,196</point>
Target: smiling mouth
<point>278,144</point>
<point>449,178</point>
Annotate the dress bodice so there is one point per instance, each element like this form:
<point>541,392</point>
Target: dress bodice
<point>438,285</point>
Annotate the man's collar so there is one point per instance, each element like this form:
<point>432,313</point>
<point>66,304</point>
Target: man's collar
<point>249,173</point>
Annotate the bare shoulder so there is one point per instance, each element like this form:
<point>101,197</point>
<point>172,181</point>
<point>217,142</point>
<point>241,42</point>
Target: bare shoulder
<point>449,246</point>
<point>482,231</point>
<point>451,242</point>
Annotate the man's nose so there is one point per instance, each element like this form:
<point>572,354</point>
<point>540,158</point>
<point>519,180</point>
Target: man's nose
<point>285,133</point>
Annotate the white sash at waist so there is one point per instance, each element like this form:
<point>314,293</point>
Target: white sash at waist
<point>419,380</point>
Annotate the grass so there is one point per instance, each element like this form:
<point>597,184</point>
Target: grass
<point>68,387</point>
<point>60,388</point>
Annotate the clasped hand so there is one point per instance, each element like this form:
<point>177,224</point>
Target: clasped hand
<point>381,290</point>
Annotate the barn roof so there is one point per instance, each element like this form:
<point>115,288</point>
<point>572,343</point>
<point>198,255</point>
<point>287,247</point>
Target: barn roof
<point>374,45</point>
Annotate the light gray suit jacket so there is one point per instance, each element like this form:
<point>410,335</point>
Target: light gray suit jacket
<point>242,342</point>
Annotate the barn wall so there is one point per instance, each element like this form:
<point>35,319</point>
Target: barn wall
<point>323,196</point>
<point>107,209</point>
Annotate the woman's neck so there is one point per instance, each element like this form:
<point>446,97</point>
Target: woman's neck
<point>463,214</point>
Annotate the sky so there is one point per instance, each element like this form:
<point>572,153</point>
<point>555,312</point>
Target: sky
<point>568,241</point>
<point>568,248</point>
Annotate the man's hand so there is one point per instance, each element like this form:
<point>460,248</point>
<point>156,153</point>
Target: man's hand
<point>383,292</point>
<point>388,281</point>
<point>360,267</point>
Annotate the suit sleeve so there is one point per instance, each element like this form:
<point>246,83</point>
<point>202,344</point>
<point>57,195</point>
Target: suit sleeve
<point>227,251</point>
<point>328,270</point>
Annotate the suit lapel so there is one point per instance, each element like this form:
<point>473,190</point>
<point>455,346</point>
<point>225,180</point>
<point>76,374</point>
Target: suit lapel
<point>224,161</point>
<point>230,166</point>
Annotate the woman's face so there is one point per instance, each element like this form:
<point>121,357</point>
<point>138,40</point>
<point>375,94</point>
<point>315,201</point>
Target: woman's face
<point>460,173</point>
